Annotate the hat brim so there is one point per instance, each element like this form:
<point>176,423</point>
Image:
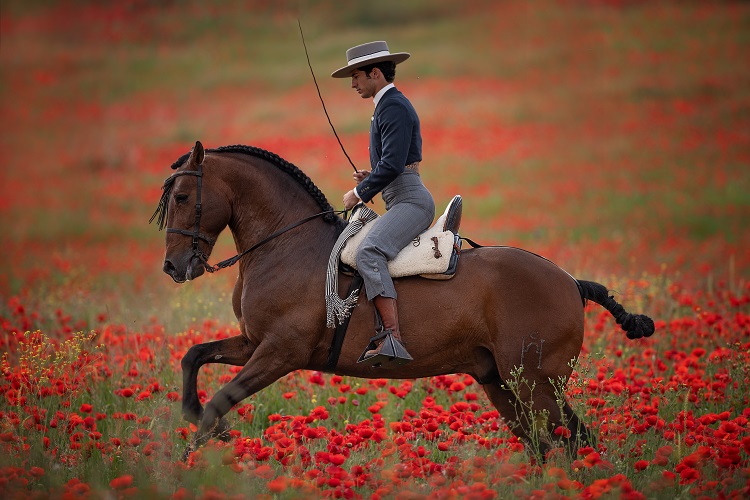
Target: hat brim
<point>346,71</point>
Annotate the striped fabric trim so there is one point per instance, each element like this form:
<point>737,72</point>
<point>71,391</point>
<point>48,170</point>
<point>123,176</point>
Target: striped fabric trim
<point>338,309</point>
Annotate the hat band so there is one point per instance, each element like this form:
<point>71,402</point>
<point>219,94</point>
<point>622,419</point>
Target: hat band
<point>367,57</point>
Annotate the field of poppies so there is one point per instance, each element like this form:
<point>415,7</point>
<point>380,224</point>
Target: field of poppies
<point>610,136</point>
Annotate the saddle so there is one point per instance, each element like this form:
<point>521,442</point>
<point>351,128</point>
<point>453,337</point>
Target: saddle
<point>433,254</point>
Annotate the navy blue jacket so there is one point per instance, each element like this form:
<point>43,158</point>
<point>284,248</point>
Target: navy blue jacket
<point>395,141</point>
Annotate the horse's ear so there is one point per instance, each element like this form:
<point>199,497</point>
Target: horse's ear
<point>197,154</point>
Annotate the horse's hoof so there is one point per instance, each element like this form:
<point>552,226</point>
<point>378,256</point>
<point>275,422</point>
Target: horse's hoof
<point>190,448</point>
<point>194,417</point>
<point>221,431</point>
<point>224,436</point>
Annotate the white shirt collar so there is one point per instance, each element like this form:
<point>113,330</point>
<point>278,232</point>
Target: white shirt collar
<point>380,93</point>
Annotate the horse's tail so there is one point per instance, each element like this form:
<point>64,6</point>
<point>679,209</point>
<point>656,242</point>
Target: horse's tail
<point>635,325</point>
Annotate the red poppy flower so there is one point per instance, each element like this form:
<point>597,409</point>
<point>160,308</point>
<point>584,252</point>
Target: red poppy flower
<point>689,475</point>
<point>277,485</point>
<point>121,482</point>
<point>562,432</point>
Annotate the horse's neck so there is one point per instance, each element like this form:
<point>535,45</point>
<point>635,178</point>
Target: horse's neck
<point>267,200</point>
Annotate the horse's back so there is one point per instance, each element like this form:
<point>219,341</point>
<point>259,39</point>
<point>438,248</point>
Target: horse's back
<point>503,275</point>
<point>527,275</point>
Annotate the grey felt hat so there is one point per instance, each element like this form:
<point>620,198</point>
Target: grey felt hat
<point>368,53</point>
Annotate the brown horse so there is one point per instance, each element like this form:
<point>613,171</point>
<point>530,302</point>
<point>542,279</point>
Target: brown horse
<point>505,309</point>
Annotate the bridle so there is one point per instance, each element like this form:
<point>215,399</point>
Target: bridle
<point>196,233</point>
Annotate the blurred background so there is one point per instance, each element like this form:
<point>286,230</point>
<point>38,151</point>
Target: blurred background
<point>612,137</point>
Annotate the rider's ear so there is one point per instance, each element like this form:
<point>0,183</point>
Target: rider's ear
<point>197,154</point>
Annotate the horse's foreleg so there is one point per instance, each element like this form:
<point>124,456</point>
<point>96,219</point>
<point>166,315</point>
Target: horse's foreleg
<point>264,367</point>
<point>232,351</point>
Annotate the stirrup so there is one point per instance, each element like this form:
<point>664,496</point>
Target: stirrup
<point>390,353</point>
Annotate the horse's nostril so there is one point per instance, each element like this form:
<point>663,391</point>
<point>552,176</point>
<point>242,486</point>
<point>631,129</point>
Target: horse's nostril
<point>168,267</point>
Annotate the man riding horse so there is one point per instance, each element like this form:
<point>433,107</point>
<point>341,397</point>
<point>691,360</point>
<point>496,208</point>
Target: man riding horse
<point>395,155</point>
<point>482,322</point>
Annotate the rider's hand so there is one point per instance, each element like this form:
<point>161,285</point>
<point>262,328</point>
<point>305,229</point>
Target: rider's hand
<point>360,175</point>
<point>350,199</point>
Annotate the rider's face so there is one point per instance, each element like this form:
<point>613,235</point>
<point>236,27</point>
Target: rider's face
<point>364,84</point>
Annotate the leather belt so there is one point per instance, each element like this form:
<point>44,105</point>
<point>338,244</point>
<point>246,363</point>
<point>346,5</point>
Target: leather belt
<point>413,166</point>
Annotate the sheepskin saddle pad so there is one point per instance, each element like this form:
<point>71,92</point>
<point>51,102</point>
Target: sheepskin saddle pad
<point>433,254</point>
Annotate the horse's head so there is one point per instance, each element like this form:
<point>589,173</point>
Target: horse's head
<point>194,212</point>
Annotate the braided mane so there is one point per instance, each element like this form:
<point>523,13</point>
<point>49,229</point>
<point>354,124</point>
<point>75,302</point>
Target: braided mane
<point>279,162</point>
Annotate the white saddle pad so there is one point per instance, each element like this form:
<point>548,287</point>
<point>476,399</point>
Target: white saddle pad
<point>421,256</point>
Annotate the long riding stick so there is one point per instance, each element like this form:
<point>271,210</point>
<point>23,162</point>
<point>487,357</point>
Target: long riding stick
<point>321,97</point>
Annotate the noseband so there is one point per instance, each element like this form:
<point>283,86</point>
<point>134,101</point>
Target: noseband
<point>196,233</point>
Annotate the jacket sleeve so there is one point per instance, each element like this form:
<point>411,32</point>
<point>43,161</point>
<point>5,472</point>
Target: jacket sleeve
<point>395,125</point>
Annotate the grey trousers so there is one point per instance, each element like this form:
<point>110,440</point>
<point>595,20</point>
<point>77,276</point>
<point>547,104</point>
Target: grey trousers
<point>410,210</point>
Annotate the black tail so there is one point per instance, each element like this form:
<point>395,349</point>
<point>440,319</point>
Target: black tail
<point>635,325</point>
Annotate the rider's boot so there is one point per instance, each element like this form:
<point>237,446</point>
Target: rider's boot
<point>389,346</point>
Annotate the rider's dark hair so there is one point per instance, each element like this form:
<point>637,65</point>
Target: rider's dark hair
<point>388,68</point>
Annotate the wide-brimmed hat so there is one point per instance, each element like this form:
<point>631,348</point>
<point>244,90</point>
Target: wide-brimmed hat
<point>368,53</point>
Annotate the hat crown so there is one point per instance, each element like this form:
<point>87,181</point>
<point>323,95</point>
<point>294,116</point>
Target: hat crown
<point>367,49</point>
<point>368,53</point>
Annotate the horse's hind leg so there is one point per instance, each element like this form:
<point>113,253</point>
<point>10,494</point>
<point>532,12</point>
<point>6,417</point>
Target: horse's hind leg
<point>232,351</point>
<point>517,415</point>
<point>579,434</point>
<point>535,415</point>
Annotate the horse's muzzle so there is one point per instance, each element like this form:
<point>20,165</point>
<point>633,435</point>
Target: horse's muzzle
<point>170,269</point>
<point>193,269</point>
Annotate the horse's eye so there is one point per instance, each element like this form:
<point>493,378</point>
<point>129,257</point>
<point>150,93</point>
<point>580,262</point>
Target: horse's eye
<point>179,198</point>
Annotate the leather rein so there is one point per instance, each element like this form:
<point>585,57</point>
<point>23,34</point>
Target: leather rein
<point>196,233</point>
